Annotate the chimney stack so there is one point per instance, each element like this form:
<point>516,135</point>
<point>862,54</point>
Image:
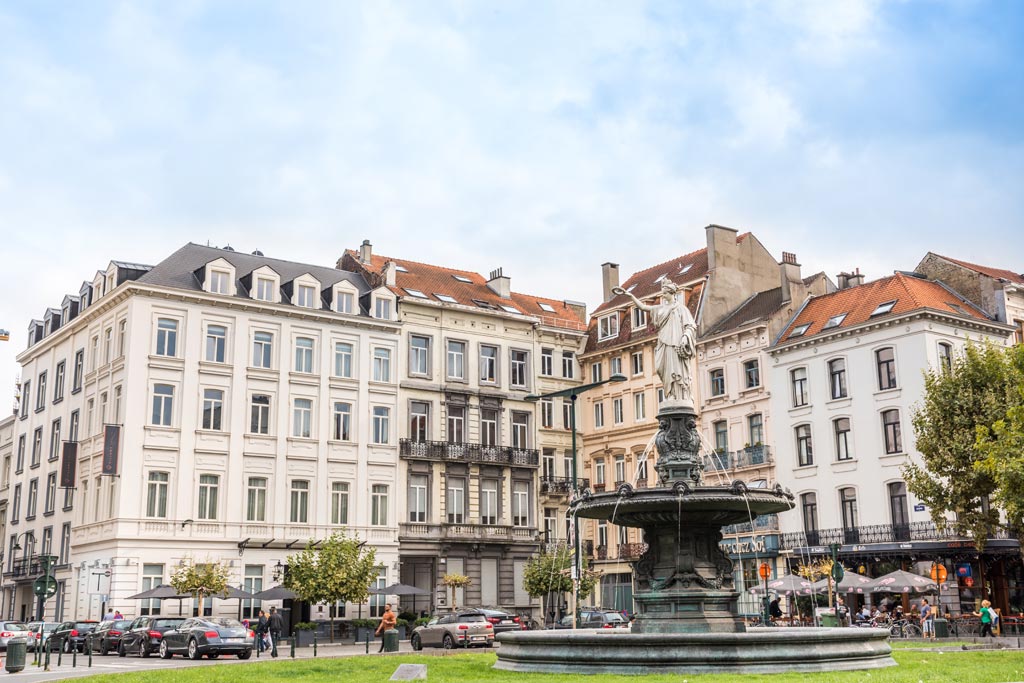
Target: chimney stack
<point>789,276</point>
<point>390,273</point>
<point>500,284</point>
<point>365,252</point>
<point>609,279</point>
<point>847,280</point>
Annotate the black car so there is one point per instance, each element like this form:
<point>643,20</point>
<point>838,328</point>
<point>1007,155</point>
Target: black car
<point>503,621</point>
<point>210,636</point>
<point>145,633</point>
<point>71,635</point>
<point>596,618</point>
<point>107,636</point>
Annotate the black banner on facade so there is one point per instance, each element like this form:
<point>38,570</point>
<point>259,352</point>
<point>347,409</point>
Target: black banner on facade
<point>111,447</point>
<point>68,463</point>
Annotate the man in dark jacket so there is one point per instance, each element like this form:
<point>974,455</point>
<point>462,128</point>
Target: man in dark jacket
<point>276,625</point>
<point>261,632</point>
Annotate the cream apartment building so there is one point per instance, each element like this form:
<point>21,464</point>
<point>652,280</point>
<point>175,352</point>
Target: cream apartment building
<point>257,405</point>
<point>472,447</point>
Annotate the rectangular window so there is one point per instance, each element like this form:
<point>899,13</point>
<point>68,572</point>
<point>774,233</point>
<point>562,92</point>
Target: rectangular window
<point>299,512</point>
<point>122,337</point>
<point>417,498</point>
<point>489,364</point>
<point>488,427</point>
<point>163,405</point>
<point>253,583</point>
<point>842,431</point>
<point>20,463</point>
<point>345,302</point>
<point>58,382</point>
<point>37,446</point>
<point>265,289</point>
<point>798,378</point>
<point>519,369</point>
<point>16,505</point>
<point>303,354</point>
<point>456,500</point>
<point>76,379</point>
<point>156,495</point>
<point>804,451</point>
<point>639,407</point>
<point>615,366</point>
<point>547,362</point>
<point>381,425</point>
<point>419,355</point>
<point>891,430</point>
<point>489,501</point>
<point>26,398</point>
<point>302,418</point>
<point>262,348</point>
<point>152,576</point>
<point>717,377</point>
<point>596,372</point>
<point>108,344</point>
<point>617,412</point>
<point>51,493</point>
<point>216,343</point>
<point>456,360</point>
<point>342,421</point>
<point>456,424</point>
<point>339,502</point>
<point>520,503</point>
<point>620,469</point>
<point>33,497</point>
<point>946,355</point>
<point>213,409</point>
<point>307,296</point>
<point>547,413</point>
<point>256,500</point>
<point>94,352</point>
<point>608,326</point>
<point>599,414</point>
<point>637,362</point>
<point>520,429</point>
<point>379,505</point>
<point>218,282</point>
<point>117,405</point>
<point>259,414</point>
<point>568,364</point>
<point>886,368</point>
<point>381,365</point>
<point>89,414</point>
<point>755,429</point>
<point>567,415</point>
<point>837,378</point>
<point>166,337</point>
<point>382,309</point>
<point>639,318</point>
<point>209,487</point>
<point>721,431</point>
<point>41,392</point>
<point>752,374</point>
<point>46,547</point>
<point>848,499</point>
<point>343,359</point>
<point>419,420</point>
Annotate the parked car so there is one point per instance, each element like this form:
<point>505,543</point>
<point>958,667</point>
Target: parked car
<point>596,618</point>
<point>144,635</point>
<point>39,633</point>
<point>11,629</point>
<point>463,629</point>
<point>71,635</point>
<point>107,636</point>
<point>210,636</point>
<point>502,621</point>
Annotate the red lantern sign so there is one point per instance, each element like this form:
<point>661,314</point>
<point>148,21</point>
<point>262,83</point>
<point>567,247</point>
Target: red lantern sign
<point>938,573</point>
<point>764,571</point>
<point>969,581</point>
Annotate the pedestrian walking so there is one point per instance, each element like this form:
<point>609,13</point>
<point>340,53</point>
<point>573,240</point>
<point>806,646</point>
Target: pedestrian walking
<point>275,624</point>
<point>388,620</point>
<point>927,619</point>
<point>988,618</point>
<point>109,615</point>
<point>262,632</point>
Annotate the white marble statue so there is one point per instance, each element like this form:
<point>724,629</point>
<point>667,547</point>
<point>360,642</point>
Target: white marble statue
<point>677,342</point>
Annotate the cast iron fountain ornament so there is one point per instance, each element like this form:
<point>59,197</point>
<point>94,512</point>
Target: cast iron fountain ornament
<point>687,619</point>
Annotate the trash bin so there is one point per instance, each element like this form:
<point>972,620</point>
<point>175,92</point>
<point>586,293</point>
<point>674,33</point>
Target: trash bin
<point>828,619</point>
<point>391,640</point>
<point>942,628</point>
<point>16,649</point>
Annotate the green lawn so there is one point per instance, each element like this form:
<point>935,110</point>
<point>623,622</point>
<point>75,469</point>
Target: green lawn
<point>914,667</point>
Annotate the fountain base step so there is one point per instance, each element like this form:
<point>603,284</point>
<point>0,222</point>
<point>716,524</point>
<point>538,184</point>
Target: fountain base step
<point>759,650</point>
<point>687,611</point>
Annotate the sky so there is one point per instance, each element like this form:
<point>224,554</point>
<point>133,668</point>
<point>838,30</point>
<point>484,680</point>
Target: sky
<point>542,137</point>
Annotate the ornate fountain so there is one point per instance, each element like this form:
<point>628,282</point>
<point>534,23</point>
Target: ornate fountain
<point>687,619</point>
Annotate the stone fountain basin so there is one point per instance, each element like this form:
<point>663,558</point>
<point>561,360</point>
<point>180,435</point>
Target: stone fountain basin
<point>702,505</point>
<point>759,650</point>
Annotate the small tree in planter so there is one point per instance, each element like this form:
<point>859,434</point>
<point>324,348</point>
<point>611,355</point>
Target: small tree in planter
<point>200,580</point>
<point>454,581</point>
<point>551,572</point>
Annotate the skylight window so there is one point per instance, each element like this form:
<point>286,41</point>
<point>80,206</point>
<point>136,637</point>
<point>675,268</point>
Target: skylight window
<point>462,278</point>
<point>510,309</point>
<point>660,278</point>
<point>484,304</point>
<point>835,321</point>
<point>416,293</point>
<point>956,308</point>
<point>546,307</point>
<point>799,330</point>
<point>685,268</point>
<point>401,269</point>
<point>884,308</point>
<point>631,288</point>
<point>445,298</point>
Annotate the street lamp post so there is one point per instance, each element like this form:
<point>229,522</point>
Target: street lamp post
<point>572,394</point>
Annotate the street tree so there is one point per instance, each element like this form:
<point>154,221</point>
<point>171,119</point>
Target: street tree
<point>338,569</point>
<point>201,580</point>
<point>454,581</point>
<point>551,572</point>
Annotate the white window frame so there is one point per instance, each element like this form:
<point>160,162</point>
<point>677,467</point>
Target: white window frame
<point>608,326</point>
<point>302,418</point>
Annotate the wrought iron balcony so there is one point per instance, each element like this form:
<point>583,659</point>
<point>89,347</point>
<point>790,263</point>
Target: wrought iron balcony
<point>468,452</point>
<point>751,456</point>
<point>493,533</point>
<point>878,533</point>
<point>25,566</point>
<point>762,524</point>
<point>631,551</point>
<point>602,552</point>
<point>561,485</point>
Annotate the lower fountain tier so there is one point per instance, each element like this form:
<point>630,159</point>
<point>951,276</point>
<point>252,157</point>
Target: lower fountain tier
<point>758,651</point>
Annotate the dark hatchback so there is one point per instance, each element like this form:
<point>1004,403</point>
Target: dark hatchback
<point>107,636</point>
<point>210,636</point>
<point>502,621</point>
<point>145,633</point>
<point>71,635</point>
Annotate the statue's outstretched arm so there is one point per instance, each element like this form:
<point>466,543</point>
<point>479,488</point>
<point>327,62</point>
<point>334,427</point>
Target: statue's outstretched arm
<point>639,304</point>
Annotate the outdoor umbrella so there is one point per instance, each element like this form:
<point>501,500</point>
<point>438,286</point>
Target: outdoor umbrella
<point>233,593</point>
<point>851,583</point>
<point>787,584</point>
<point>903,582</point>
<point>275,593</point>
<point>399,589</point>
<point>162,592</point>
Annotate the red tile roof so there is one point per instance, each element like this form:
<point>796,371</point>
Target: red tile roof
<point>471,288</point>
<point>998,273</point>
<point>627,335</point>
<point>910,294</point>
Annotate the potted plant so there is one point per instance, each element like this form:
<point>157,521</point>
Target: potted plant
<point>365,629</point>
<point>303,633</point>
<point>402,626</point>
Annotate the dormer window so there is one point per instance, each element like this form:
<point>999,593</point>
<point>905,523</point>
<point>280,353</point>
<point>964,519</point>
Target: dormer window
<point>883,308</point>
<point>799,330</point>
<point>344,301</point>
<point>835,321</point>
<point>266,289</point>
<point>382,308</point>
<point>608,326</point>
<point>305,296</point>
<point>219,281</point>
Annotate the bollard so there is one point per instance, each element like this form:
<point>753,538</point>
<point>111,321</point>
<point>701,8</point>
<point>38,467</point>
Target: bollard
<point>46,667</point>
<point>74,654</point>
<point>314,643</point>
<point>367,641</point>
<point>88,651</point>
<point>292,643</point>
<point>60,653</point>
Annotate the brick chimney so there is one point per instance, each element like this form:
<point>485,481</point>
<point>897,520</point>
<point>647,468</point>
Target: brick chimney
<point>609,279</point>
<point>847,280</point>
<point>789,276</point>
<point>500,284</point>
<point>365,252</point>
<point>390,273</point>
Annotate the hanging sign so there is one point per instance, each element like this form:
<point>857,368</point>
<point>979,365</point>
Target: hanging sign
<point>111,446</point>
<point>68,462</point>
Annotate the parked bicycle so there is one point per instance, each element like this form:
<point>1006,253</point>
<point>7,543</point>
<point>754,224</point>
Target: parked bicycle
<point>903,628</point>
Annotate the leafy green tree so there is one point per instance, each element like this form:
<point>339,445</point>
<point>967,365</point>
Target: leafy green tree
<point>454,581</point>
<point>338,569</point>
<point>551,572</point>
<point>200,580</point>
<point>961,405</point>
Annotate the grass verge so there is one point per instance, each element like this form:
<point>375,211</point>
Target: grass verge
<point>914,667</point>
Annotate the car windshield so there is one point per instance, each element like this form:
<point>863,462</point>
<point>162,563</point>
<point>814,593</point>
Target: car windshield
<point>472,617</point>
<point>167,623</point>
<point>121,623</point>
<point>223,623</point>
<point>50,627</point>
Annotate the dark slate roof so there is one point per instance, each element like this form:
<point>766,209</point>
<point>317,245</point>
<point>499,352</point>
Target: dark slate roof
<point>179,269</point>
<point>758,307</point>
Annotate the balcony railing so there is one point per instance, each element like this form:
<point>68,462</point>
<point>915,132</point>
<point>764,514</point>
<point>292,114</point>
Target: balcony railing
<point>469,452</point>
<point>761,524</point>
<point>587,548</point>
<point>485,533</point>
<point>631,551</point>
<point>25,566</point>
<point>560,485</point>
<point>878,533</point>
<point>751,456</point>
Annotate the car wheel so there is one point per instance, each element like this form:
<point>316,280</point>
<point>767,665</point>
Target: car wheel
<point>165,652</point>
<point>193,649</point>
<point>245,655</point>
<point>489,644</point>
<point>67,646</point>
<point>448,642</point>
<point>104,648</point>
<point>121,652</point>
<point>416,643</point>
<point>144,651</point>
